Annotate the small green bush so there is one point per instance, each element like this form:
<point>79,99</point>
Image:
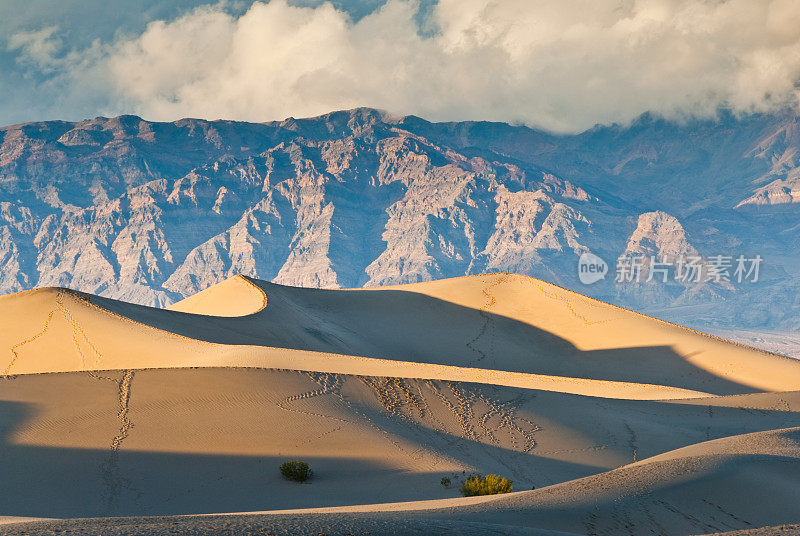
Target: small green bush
<point>446,481</point>
<point>296,470</point>
<point>488,485</point>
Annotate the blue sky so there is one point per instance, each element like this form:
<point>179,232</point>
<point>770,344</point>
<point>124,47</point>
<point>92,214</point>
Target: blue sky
<point>563,65</point>
<point>27,96</point>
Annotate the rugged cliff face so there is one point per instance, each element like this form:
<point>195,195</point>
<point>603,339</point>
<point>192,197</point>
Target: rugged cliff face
<point>152,212</point>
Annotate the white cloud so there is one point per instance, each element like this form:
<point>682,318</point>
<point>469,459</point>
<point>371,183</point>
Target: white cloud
<point>37,48</point>
<point>558,64</point>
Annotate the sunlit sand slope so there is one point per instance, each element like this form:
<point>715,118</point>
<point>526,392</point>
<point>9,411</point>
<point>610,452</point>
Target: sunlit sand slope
<point>210,440</point>
<point>498,329</point>
<point>237,296</point>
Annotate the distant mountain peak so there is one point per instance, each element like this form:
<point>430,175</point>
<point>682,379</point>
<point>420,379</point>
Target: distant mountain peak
<point>152,212</point>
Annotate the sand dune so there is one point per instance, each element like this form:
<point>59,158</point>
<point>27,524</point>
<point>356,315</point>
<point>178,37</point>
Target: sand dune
<point>209,440</point>
<point>722,485</point>
<point>726,484</point>
<point>480,324</point>
<point>622,422</point>
<point>237,296</point>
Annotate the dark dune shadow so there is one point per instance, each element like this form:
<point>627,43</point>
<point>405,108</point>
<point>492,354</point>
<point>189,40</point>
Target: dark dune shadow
<point>377,323</point>
<point>41,481</point>
<point>66,482</point>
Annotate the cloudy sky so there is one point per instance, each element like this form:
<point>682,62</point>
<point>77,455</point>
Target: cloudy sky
<point>562,65</point>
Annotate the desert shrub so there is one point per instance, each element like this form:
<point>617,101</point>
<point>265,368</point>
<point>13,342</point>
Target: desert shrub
<point>296,470</point>
<point>488,485</point>
<point>446,481</point>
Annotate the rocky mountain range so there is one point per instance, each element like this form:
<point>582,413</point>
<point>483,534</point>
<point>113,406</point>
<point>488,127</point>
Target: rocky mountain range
<point>152,212</point>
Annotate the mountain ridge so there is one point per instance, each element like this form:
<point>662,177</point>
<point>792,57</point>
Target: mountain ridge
<point>153,212</point>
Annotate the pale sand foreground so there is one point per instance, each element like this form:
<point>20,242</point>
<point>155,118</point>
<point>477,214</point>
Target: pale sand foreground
<point>624,424</point>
